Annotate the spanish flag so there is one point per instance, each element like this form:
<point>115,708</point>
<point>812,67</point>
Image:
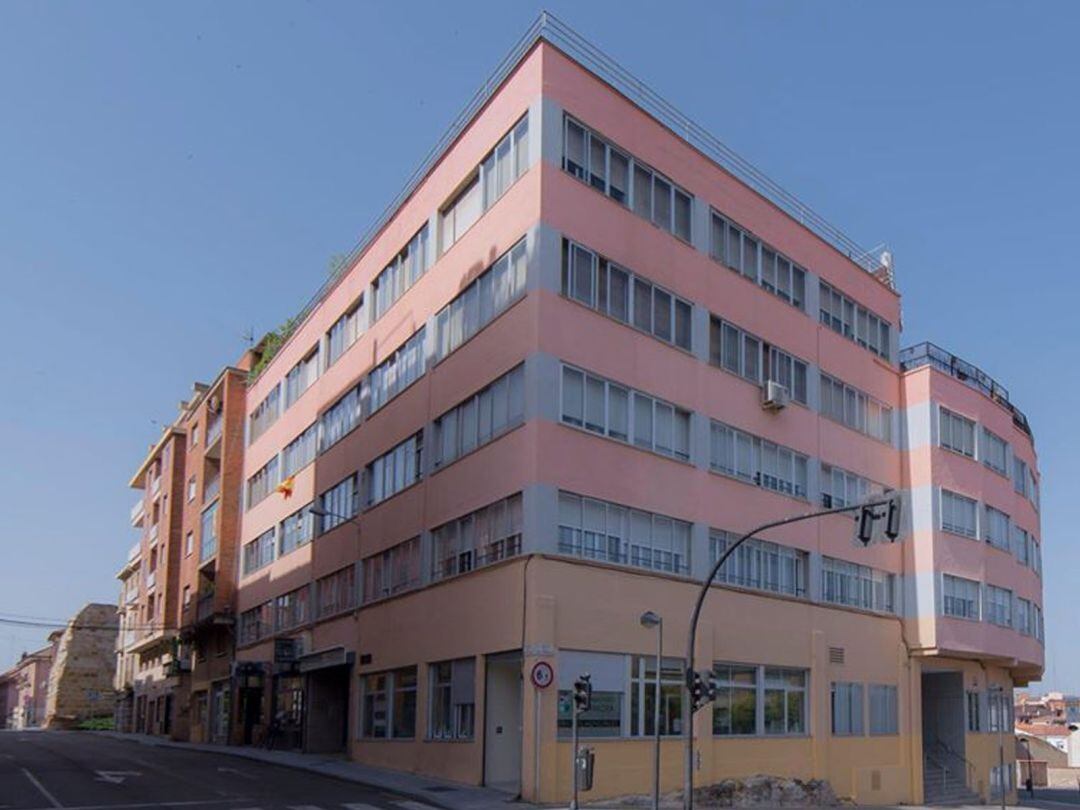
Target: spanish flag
<point>286,487</point>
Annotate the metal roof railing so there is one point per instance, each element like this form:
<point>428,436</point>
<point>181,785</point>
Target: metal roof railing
<point>930,354</point>
<point>550,28</point>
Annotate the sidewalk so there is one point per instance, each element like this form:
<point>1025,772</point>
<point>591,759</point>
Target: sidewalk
<point>437,792</point>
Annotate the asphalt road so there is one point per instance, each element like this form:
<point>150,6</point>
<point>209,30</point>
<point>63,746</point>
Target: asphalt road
<point>49,770</point>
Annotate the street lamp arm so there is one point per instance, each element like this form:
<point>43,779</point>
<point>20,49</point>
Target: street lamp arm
<point>688,798</point>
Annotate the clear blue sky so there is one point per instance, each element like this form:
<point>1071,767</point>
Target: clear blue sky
<point>173,175</point>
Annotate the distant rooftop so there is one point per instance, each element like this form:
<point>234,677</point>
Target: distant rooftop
<point>550,28</point>
<point>929,354</point>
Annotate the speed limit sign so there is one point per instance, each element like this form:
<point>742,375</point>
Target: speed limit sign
<point>542,675</point>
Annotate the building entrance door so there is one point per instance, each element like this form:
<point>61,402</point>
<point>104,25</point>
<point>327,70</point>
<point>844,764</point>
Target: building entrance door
<point>503,723</point>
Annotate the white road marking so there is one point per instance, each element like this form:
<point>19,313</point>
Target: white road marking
<point>115,777</point>
<point>48,796</point>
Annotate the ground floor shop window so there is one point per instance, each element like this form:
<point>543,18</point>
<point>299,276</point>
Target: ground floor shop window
<point>453,700</point>
<point>643,696</point>
<point>388,704</point>
<point>759,700</point>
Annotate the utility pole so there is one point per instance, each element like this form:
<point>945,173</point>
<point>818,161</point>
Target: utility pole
<point>699,689</point>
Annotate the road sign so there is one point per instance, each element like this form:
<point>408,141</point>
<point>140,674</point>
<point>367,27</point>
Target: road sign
<point>542,675</point>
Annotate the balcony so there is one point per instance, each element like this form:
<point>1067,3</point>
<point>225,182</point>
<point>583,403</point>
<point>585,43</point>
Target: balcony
<point>211,489</point>
<point>153,534</point>
<point>207,548</point>
<point>928,354</point>
<point>151,579</point>
<point>213,435</point>
<point>138,513</point>
<point>155,486</point>
<point>204,608</point>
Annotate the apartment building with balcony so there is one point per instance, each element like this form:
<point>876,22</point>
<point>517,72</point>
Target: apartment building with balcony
<point>160,480</point>
<point>213,423</point>
<point>128,610</point>
<point>585,349</point>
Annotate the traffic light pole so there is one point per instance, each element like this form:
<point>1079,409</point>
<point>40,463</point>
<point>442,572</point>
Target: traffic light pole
<point>865,525</point>
<point>574,755</point>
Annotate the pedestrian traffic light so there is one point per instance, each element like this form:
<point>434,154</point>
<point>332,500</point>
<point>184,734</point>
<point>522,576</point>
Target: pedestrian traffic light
<point>892,518</point>
<point>702,689</point>
<point>865,529</point>
<point>582,693</point>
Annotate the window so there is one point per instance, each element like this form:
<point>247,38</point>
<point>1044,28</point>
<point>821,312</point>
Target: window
<point>732,246</point>
<point>996,528</point>
<point>396,373</point>
<point>1020,477</point>
<point>189,543</point>
<point>643,696</point>
<point>346,331</point>
<point>851,407</point>
<point>404,270</point>
<point>395,470</point>
<point>506,162</point>
<point>757,461</point>
<point>1021,545</point>
<point>300,451</point>
<point>741,353</point>
<point>477,539</point>
<point>388,704</point>
<point>499,170</point>
<point>960,597</point>
<point>841,488</point>
<point>740,689</point>
<point>257,623</point>
<point>453,700</point>
<point>760,565</point>
<point>598,530</point>
<point>336,592</point>
<point>265,414</point>
<point>208,537</point>
<point>626,180</point>
<point>340,503</point>
<point>395,570</point>
<point>606,716</point>
<point>301,376</point>
<point>482,418</point>
<point>1036,555</point>
<point>259,553</point>
<point>958,514</point>
<point>262,483</point>
<point>1000,705</point>
<point>957,433</point>
<point>195,435</point>
<point>1023,617</point>
<point>1037,622</point>
<point>339,418</point>
<point>974,711</point>
<point>846,583</point>
<point>854,322</point>
<point>995,451</point>
<point>624,296</point>
<point>624,414</point>
<point>847,709</point>
<point>291,609</point>
<point>1001,774</point>
<point>297,530</point>
<point>999,606</point>
<point>482,301</point>
<point>191,489</point>
<point>884,711</point>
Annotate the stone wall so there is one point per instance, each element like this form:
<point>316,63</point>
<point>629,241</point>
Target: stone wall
<point>81,681</point>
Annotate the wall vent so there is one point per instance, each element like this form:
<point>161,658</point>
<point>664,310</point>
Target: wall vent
<point>836,655</point>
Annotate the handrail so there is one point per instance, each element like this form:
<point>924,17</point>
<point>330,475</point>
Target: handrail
<point>969,767</point>
<point>550,28</point>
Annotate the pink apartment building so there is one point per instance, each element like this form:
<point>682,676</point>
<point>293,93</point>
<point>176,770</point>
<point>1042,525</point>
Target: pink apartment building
<point>585,348</point>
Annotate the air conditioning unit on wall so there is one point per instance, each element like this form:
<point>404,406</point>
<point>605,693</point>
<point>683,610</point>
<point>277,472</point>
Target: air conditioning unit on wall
<point>774,396</point>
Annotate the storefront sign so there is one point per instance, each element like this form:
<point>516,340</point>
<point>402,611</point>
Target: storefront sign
<point>333,657</point>
<point>286,650</point>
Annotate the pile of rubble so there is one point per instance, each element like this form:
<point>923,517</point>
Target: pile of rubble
<point>767,791</point>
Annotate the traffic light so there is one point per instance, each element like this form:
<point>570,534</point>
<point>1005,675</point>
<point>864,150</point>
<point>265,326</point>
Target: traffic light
<point>702,689</point>
<point>865,530</point>
<point>582,693</point>
<point>892,518</point>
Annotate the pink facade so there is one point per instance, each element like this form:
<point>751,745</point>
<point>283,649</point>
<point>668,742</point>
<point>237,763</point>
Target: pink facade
<point>578,358</point>
<point>25,690</point>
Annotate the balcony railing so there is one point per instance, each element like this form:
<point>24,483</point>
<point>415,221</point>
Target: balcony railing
<point>204,608</point>
<point>213,429</point>
<point>154,533</point>
<point>138,512</point>
<point>134,552</point>
<point>155,486</point>
<point>207,547</point>
<point>151,579</point>
<point>929,354</point>
<point>211,489</point>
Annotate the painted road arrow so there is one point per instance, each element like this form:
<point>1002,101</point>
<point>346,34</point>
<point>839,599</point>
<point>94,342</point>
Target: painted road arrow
<point>115,777</point>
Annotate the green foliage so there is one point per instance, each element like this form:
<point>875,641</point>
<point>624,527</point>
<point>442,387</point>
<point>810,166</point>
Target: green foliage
<point>97,724</point>
<point>270,345</point>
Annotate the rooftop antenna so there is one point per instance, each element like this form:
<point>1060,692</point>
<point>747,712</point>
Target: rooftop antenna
<point>248,336</point>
